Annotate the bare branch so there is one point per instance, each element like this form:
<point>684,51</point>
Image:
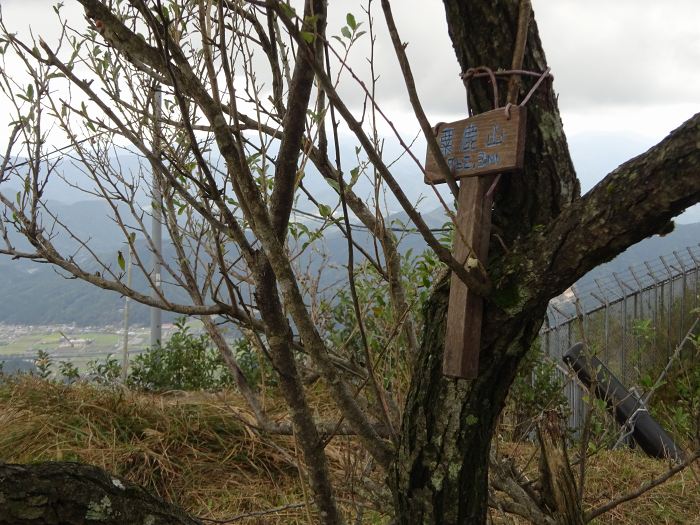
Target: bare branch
<point>591,515</point>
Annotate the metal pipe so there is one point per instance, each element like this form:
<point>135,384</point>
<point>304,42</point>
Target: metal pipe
<point>627,408</point>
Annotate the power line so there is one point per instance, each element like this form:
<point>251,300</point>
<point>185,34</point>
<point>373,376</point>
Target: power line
<point>397,229</point>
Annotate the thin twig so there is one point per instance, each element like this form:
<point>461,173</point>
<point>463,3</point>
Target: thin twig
<point>255,514</point>
<point>644,488</point>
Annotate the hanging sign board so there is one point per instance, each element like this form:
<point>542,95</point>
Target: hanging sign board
<point>491,142</point>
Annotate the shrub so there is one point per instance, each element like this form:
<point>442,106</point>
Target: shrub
<point>69,371</point>
<point>43,363</point>
<point>185,362</point>
<point>103,372</point>
<point>537,387</point>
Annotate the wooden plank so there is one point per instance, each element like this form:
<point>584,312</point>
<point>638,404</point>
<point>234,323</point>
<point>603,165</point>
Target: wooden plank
<point>464,312</point>
<point>491,142</point>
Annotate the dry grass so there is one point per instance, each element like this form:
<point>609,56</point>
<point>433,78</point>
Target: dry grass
<point>195,450</point>
<point>614,473</point>
<point>191,449</point>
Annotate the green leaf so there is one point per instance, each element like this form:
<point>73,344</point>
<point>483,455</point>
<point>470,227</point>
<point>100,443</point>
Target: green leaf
<point>346,32</point>
<point>308,37</point>
<point>333,184</point>
<point>342,42</point>
<point>350,19</point>
<point>30,92</point>
<point>288,10</point>
<point>120,260</point>
<point>325,210</point>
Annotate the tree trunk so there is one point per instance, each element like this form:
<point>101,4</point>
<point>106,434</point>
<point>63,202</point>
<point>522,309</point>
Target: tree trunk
<point>76,494</point>
<point>441,469</point>
<point>548,238</point>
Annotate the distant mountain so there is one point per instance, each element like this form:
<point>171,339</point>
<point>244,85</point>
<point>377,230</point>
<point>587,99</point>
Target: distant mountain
<point>38,294</point>
<point>34,293</point>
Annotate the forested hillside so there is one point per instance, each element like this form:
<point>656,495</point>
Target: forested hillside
<point>36,293</point>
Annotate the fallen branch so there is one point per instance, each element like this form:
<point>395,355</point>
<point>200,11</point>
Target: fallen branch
<point>590,516</point>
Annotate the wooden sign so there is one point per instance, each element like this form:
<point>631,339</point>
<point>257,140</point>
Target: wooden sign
<point>491,142</point>
<point>465,308</point>
<point>476,149</point>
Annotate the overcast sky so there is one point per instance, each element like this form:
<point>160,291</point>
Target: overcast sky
<point>627,72</point>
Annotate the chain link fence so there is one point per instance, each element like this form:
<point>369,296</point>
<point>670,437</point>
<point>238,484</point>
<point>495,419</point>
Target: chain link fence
<point>632,320</point>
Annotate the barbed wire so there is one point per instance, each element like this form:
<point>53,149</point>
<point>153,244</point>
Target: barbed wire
<point>606,290</point>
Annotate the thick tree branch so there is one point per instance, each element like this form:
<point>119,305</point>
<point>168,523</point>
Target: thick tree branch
<point>73,494</point>
<point>635,201</point>
<point>294,122</point>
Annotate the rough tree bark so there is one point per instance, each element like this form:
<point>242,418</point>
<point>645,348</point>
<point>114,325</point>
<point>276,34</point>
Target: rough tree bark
<point>550,237</point>
<point>75,494</point>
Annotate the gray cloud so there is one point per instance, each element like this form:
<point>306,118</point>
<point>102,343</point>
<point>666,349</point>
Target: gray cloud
<point>628,65</point>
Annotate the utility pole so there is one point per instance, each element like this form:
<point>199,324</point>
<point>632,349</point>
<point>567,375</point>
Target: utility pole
<point>156,217</point>
<point>125,349</point>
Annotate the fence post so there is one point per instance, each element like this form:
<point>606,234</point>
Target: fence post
<point>656,302</point>
<point>669,307</point>
<point>685,282</point>
<point>623,354</point>
<point>696,263</point>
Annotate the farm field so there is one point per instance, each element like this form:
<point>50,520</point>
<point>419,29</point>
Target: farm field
<point>65,343</point>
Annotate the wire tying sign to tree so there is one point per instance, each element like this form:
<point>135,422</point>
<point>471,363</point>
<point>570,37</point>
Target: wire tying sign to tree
<point>492,142</point>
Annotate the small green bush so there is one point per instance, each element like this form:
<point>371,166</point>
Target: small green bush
<point>69,372</point>
<point>43,364</point>
<point>103,372</point>
<point>536,388</point>
<point>185,362</point>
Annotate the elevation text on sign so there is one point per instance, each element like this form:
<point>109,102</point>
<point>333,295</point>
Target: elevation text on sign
<point>491,142</point>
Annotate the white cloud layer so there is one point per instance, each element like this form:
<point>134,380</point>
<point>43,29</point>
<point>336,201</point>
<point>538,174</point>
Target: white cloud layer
<point>627,72</point>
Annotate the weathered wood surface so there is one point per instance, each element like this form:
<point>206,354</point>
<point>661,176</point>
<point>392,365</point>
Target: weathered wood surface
<point>464,314</point>
<point>558,483</point>
<point>488,143</point>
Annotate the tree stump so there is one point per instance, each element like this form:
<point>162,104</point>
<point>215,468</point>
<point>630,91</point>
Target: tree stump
<point>558,483</point>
